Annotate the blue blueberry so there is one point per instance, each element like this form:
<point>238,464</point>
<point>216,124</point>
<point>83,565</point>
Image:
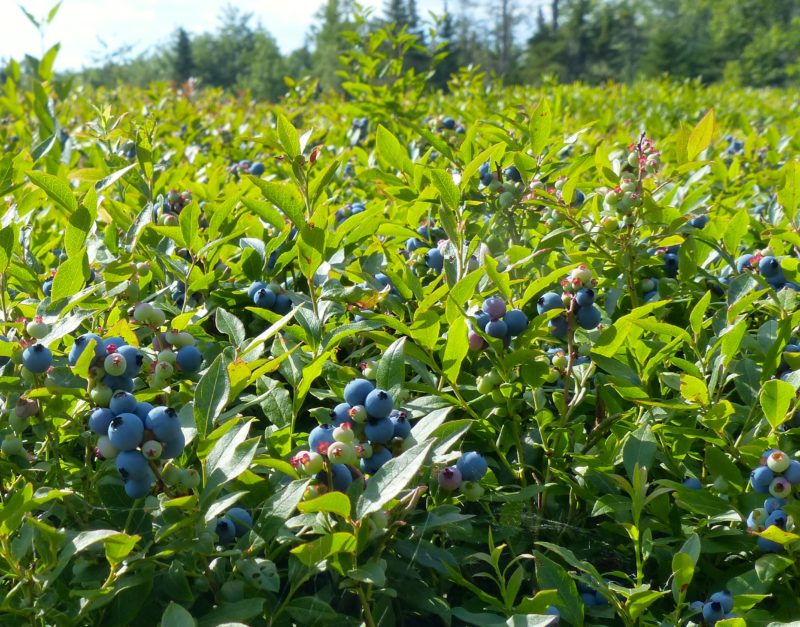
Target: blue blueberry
<point>760,479</point>
<point>133,360</point>
<point>81,342</point>
<point>254,287</point>
<point>548,302</point>
<point>585,297</point>
<point>143,408</point>
<point>355,392</point>
<point>792,473</point>
<point>379,403</point>
<point>122,403</point>
<point>189,359</point>
<point>264,298</point>
<point>226,530</point>
<point>257,169</point>
<point>472,465</point>
<point>242,520</point>
<point>724,598</point>
<point>769,267</point>
<point>497,328</point>
<point>321,434</point>
<point>100,419</point>
<point>744,262</point>
<point>37,358</point>
<point>558,327</point>
<point>671,265</point>
<point>138,487</point>
<point>163,422</point>
<point>379,430</point>
<point>340,414</point>
<point>125,432</point>
<point>434,260</point>
<point>512,174</point>
<point>173,446</point>
<point>516,321</point>
<point>371,465</point>
<point>494,307</point>
<point>119,383</point>
<point>402,426</point>
<point>283,304</point>
<point>481,320</point>
<point>588,317</point>
<point>132,464</point>
<point>692,483</point>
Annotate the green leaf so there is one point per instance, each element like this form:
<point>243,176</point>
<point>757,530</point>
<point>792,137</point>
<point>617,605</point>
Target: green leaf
<point>211,395</point>
<point>287,133</point>
<point>230,325</point>
<point>112,178</point>
<point>390,149</point>
<point>78,227</point>
<point>552,576</point>
<point>56,188</point>
<point>701,135</point>
<point>455,349</point>
<point>682,574</point>
<point>189,222</point>
<point>322,548</point>
<point>231,454</point>
<point>698,313</point>
<point>391,371</point>
<point>7,241</point>
<point>770,566</point>
<point>776,396</point>
<point>70,277</point>
<point>448,192</point>
<point>285,197</point>
<point>332,502</point>
<point>540,125</point>
<point>392,478</point>
<point>639,450</point>
<point>177,616</point>
<point>789,194</point>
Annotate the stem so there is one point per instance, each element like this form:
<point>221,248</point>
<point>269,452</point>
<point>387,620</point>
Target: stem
<point>369,621</point>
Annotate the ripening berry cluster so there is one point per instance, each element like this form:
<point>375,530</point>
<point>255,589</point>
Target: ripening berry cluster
<point>768,266</point>
<point>577,301</point>
<point>496,320</point>
<point>233,525</point>
<point>136,434</point>
<point>444,124</point>
<point>363,432</point>
<point>465,475</point>
<point>173,204</point>
<point>269,297</point>
<point>559,363</point>
<point>776,476</point>
<point>718,607</point>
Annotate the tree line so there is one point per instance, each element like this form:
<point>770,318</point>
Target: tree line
<point>745,42</point>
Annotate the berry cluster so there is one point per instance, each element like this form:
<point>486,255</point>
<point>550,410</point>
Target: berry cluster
<point>559,362</point>
<point>465,474</point>
<point>269,297</point>
<point>642,159</point>
<point>577,301</point>
<point>350,209</point>
<point>363,432</point>
<point>172,205</point>
<point>768,266</point>
<point>234,524</point>
<point>718,607</point>
<point>445,123</point>
<point>496,321</point>
<point>776,476</point>
<point>590,596</point>
<point>136,435</point>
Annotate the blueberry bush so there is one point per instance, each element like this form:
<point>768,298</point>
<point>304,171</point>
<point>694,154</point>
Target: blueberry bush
<point>495,357</point>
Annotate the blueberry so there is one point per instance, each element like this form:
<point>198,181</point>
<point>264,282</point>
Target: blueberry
<point>512,174</point>
<point>133,359</point>
<point>125,432</point>
<point>448,123</point>
<point>142,409</point>
<point>371,465</point>
<point>355,392</point>
<point>497,328</point>
<point>283,304</point>
<point>100,419</point>
<point>257,169</point>
<point>792,473</point>
<point>402,426</point>
<point>242,521</point>
<point>322,434</point>
<point>744,263</point>
<point>173,446</point>
<point>481,320</point>
<point>774,503</point>
<point>588,317</point>
<point>692,483</point>
<point>585,297</point>
<point>768,546</point>
<point>724,598</point>
<point>264,298</point>
<point>189,359</point>
<point>516,321</point>
<point>137,488</point>
<point>37,358</point>
<point>340,414</point>
<point>769,267</point>
<point>712,611</point>
<point>120,383</point>
<point>379,430</point>
<point>548,302</point>
<point>163,422</point>
<point>761,478</point>
<point>412,244</point>
<point>699,222</point>
<point>81,342</point>
<point>255,287</point>
<point>494,307</point>
<point>122,403</point>
<point>777,518</point>
<point>434,260</point>
<point>379,403</point>
<point>342,477</point>
<point>558,327</point>
<point>132,465</point>
<point>671,265</point>
<point>226,530</point>
<point>472,466</point>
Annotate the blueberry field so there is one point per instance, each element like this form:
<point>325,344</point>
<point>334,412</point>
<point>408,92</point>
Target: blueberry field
<point>501,356</point>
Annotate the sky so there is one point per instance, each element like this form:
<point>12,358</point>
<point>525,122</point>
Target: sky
<point>85,28</point>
